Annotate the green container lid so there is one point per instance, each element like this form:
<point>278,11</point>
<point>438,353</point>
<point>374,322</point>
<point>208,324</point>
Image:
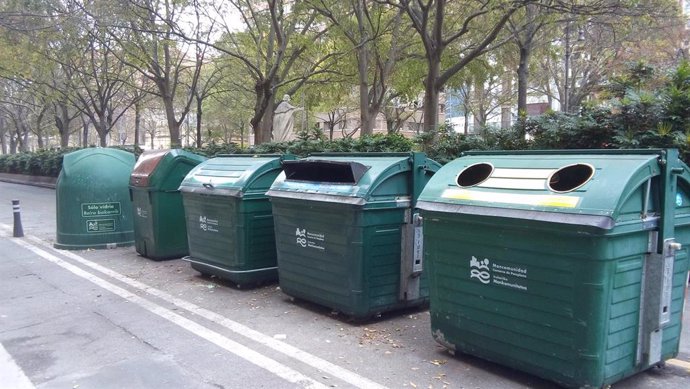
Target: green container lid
<point>354,178</point>
<point>93,205</point>
<point>233,175</point>
<point>571,187</point>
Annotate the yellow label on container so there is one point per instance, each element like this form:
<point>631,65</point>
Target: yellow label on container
<point>558,201</point>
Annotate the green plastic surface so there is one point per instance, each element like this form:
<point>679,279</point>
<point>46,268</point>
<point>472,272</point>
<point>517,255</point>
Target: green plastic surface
<point>229,219</point>
<point>160,231</point>
<point>519,182</point>
<point>234,175</point>
<point>93,208</point>
<point>389,177</point>
<point>339,245</point>
<point>556,296</point>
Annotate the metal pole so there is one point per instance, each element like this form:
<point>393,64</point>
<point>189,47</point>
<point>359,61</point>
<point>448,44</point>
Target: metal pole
<point>18,230</point>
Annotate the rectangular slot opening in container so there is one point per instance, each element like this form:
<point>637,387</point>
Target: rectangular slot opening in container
<point>335,172</point>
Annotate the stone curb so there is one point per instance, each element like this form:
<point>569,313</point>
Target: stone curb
<point>25,179</point>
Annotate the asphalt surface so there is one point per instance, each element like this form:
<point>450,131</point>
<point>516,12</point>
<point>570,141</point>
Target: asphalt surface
<point>112,319</point>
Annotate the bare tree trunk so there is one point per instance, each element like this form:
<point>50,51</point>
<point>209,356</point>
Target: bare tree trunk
<point>431,97</point>
<point>242,130</point>
<point>21,140</point>
<point>526,45</point>
<point>266,124</point>
<point>39,128</point>
<point>364,117</point>
<point>13,144</point>
<point>507,88</point>
<point>64,139</point>
<point>264,105</point>
<point>85,124</point>
<point>102,129</point>
<point>3,131</point>
<point>199,104</point>
<point>480,106</point>
<point>25,141</point>
<point>466,126</point>
<point>137,123</point>
<point>62,122</point>
<point>39,140</point>
<point>20,130</point>
<point>102,138</point>
<point>523,79</point>
<point>173,124</point>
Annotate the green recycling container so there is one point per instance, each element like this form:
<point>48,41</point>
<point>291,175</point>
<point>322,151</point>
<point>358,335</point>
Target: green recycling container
<point>229,219</point>
<point>346,231</point>
<point>570,265</point>
<point>160,231</point>
<point>93,209</point>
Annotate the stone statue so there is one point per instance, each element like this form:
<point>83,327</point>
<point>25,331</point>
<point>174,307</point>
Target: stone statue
<point>284,121</point>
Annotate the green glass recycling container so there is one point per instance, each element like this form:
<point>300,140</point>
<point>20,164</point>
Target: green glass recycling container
<point>570,265</point>
<point>346,231</point>
<point>93,208</point>
<point>229,218</point>
<point>160,231</point>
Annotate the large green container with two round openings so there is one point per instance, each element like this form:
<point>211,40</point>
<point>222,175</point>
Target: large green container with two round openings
<point>160,231</point>
<point>229,219</point>
<point>92,198</point>
<point>570,265</point>
<point>346,231</point>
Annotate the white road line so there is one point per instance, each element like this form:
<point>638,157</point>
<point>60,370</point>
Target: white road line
<point>679,363</point>
<point>238,349</point>
<point>12,375</point>
<point>334,370</point>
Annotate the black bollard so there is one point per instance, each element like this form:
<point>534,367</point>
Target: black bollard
<point>18,230</point>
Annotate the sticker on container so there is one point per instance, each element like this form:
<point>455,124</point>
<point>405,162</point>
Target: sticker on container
<point>207,224</point>
<point>100,225</point>
<point>100,209</point>
<point>560,201</point>
<point>488,272</point>
<point>142,213</point>
<point>310,239</point>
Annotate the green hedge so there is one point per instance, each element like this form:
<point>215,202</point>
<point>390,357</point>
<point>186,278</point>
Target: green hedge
<point>49,162</point>
<point>40,163</point>
<point>315,143</point>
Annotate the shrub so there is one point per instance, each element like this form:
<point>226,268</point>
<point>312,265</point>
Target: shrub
<point>448,144</point>
<point>46,162</point>
<point>591,129</point>
<point>214,148</point>
<point>314,144</point>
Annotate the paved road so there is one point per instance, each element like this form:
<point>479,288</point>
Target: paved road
<point>112,319</point>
